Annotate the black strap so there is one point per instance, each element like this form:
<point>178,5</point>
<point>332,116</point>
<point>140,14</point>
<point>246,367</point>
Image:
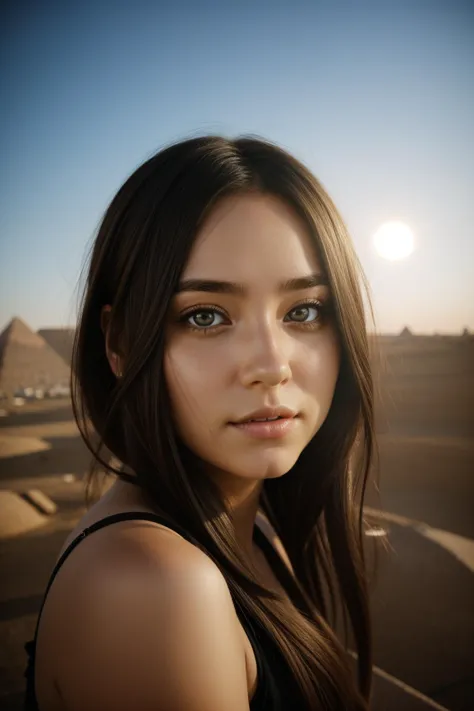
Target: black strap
<point>129,478</point>
<point>107,521</point>
<point>274,559</point>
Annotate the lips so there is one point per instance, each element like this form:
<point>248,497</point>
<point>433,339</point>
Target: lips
<point>267,413</point>
<point>267,430</point>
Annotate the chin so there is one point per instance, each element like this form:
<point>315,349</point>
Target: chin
<point>261,467</point>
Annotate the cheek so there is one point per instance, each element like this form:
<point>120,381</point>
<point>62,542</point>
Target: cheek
<point>189,386</point>
<point>177,380</point>
<point>320,371</point>
<point>323,357</point>
<point>189,371</point>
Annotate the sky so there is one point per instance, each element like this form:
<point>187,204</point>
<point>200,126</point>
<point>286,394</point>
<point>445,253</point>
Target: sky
<point>377,98</point>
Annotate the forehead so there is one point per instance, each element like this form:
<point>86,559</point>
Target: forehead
<point>253,239</point>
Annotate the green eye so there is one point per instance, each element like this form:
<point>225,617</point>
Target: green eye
<point>206,315</point>
<point>308,314</point>
<point>303,311</point>
<point>203,318</point>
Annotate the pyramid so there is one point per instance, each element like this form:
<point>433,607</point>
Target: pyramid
<point>405,332</point>
<point>60,339</point>
<point>26,360</point>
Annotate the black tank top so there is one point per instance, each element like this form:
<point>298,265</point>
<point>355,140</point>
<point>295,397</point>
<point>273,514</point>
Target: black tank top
<point>276,687</point>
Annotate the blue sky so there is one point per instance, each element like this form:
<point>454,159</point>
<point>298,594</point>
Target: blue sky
<point>376,97</point>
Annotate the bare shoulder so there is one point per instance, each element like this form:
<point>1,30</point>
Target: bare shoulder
<point>153,627</point>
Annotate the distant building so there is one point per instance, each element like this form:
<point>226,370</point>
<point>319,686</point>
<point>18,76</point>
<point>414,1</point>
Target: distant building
<point>61,340</point>
<point>27,361</point>
<point>466,333</point>
<point>406,332</point>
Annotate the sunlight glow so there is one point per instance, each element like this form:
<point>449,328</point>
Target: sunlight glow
<point>394,241</point>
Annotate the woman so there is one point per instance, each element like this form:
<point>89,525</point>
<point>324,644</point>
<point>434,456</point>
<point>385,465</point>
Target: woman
<point>223,292</point>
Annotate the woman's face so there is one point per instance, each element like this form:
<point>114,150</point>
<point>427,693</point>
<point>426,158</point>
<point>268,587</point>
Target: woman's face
<point>233,351</point>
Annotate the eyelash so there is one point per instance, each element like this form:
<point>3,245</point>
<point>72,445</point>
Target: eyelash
<point>322,306</point>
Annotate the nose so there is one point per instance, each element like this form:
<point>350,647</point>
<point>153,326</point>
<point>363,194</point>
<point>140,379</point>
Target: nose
<point>265,359</point>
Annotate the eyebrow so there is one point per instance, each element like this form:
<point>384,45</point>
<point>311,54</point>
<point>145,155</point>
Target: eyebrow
<point>230,287</point>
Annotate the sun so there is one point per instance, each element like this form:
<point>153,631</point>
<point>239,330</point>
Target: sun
<point>394,241</point>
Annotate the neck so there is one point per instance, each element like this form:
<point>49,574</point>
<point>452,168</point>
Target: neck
<point>243,500</point>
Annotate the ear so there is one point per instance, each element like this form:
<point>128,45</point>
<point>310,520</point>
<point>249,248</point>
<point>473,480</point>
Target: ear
<point>112,357</point>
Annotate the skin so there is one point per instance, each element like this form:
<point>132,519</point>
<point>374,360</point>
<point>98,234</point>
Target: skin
<point>256,353</point>
<point>142,618</point>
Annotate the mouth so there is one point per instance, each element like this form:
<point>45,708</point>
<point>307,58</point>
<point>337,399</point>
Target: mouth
<point>267,414</point>
<point>261,419</point>
<point>267,428</point>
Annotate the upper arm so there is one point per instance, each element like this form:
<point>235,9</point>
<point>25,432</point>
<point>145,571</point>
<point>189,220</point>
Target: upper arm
<point>159,639</point>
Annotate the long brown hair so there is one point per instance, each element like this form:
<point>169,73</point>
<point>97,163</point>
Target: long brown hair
<point>138,256</point>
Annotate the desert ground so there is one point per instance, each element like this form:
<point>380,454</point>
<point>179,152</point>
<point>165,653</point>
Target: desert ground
<point>422,510</point>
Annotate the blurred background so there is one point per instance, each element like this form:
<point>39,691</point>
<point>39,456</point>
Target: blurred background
<point>377,99</point>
